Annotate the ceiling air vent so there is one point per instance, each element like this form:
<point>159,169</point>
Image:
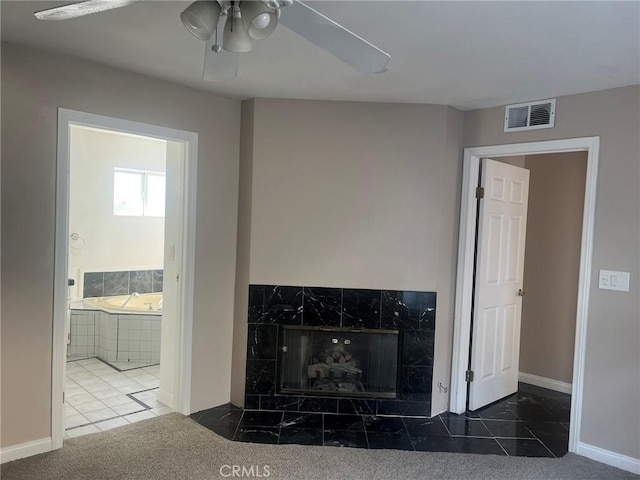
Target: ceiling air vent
<point>529,116</point>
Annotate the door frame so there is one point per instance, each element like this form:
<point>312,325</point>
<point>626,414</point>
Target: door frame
<point>66,118</point>
<point>466,264</point>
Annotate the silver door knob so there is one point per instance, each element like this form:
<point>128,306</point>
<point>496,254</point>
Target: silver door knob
<point>521,292</point>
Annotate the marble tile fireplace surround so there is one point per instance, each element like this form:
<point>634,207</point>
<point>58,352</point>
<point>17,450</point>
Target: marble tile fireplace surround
<point>335,350</point>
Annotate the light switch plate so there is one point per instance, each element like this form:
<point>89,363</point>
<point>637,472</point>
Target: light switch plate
<point>613,280</point>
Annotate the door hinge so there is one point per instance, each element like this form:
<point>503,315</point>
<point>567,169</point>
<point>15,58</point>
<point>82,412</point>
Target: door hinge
<point>480,192</point>
<point>62,397</point>
<point>468,376</point>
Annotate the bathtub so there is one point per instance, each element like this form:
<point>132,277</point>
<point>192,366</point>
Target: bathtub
<point>102,327</point>
<point>145,303</point>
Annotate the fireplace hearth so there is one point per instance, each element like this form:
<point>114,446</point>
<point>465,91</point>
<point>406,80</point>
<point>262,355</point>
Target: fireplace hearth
<point>333,350</point>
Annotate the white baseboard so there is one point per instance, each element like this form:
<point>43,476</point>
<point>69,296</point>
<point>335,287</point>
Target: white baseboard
<point>26,449</point>
<point>544,382</point>
<point>167,399</point>
<point>608,457</point>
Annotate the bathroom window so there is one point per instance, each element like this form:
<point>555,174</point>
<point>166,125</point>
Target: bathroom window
<point>138,193</point>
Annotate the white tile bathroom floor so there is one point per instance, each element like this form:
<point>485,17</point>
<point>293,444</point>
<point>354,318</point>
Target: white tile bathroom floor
<point>99,397</point>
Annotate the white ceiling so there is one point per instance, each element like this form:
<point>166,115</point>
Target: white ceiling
<point>465,54</point>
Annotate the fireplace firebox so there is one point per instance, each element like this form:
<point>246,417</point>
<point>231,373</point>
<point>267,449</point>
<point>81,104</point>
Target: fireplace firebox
<point>339,362</point>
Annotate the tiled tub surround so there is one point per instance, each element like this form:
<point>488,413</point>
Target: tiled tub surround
<point>411,313</point>
<point>106,284</point>
<point>115,338</point>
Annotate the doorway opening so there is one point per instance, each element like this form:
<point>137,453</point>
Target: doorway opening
<point>117,191</point>
<point>551,267</point>
<point>466,267</point>
<point>123,293</point>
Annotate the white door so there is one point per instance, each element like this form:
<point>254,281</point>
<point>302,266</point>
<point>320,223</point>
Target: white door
<point>502,220</point>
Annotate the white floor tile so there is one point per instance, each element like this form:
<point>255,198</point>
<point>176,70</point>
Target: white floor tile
<point>91,406</point>
<point>90,379</point>
<point>108,377</point>
<point>69,410</point>
<point>76,432</point>
<point>100,367</point>
<point>152,403</point>
<point>136,417</point>
<point>119,399</point>
<point>132,388</point>
<point>122,382</point>
<point>143,377</point>
<point>136,373</point>
<point>74,392</point>
<point>78,357</point>
<point>133,365</point>
<point>103,372</point>
<point>75,420</point>
<point>89,361</point>
<point>79,368</point>
<point>107,393</point>
<point>73,367</point>
<point>96,393</point>
<point>99,415</point>
<point>148,395</point>
<point>161,410</point>
<point>127,408</point>
<point>78,377</point>
<point>79,399</point>
<point>87,378</point>
<point>149,398</point>
<point>155,383</point>
<point>98,387</point>
<point>70,383</point>
<point>74,387</point>
<point>113,423</point>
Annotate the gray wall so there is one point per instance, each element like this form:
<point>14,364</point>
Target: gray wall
<point>34,85</point>
<point>361,195</point>
<point>611,407</point>
<point>240,332</point>
<point>353,195</point>
<point>552,263</point>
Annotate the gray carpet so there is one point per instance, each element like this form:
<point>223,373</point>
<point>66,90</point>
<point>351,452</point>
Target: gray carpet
<point>175,447</point>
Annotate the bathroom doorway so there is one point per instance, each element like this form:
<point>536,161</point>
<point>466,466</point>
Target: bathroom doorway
<point>124,256</point>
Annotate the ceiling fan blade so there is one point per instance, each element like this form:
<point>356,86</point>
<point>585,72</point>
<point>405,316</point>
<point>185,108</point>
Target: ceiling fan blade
<point>219,66</point>
<point>80,9</point>
<point>334,38</point>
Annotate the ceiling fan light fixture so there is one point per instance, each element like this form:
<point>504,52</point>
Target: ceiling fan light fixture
<point>259,18</point>
<point>201,18</point>
<point>235,37</point>
<point>261,21</point>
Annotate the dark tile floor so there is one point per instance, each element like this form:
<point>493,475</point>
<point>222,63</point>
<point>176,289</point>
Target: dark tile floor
<point>534,422</point>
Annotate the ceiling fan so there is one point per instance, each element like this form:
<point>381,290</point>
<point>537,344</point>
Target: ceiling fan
<point>243,21</point>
